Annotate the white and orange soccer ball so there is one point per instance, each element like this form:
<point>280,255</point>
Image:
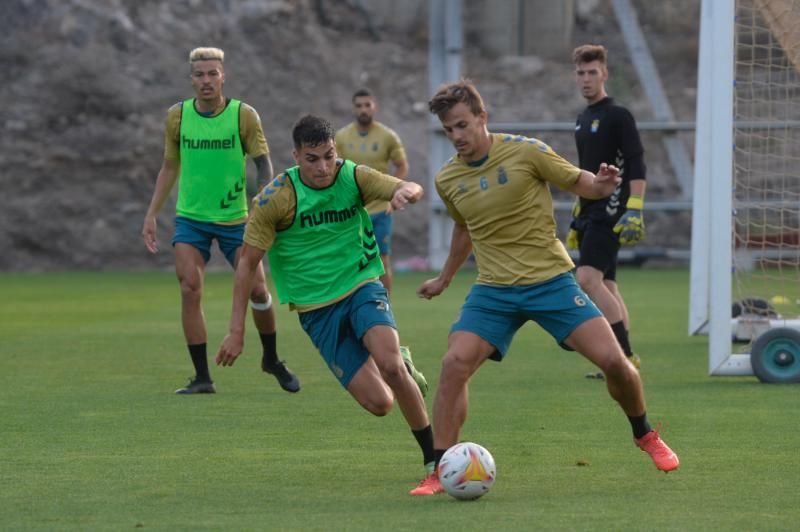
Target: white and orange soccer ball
<point>467,471</point>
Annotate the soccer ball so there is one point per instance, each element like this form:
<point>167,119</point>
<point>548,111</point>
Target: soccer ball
<point>467,471</point>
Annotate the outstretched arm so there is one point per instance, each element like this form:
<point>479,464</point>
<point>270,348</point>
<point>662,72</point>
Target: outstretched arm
<point>596,186</point>
<point>460,248</point>
<point>232,344</point>
<point>406,192</point>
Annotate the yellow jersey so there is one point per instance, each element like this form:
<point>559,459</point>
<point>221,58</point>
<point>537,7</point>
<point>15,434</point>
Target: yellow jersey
<point>504,201</point>
<point>379,147</point>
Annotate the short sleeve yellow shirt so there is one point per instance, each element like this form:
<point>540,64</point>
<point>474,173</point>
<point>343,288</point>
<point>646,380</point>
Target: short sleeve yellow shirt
<point>505,203</point>
<point>379,147</point>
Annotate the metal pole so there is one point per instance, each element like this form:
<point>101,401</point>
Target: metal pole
<point>444,65</point>
<point>651,82</point>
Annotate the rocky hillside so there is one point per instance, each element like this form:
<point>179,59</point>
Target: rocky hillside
<point>88,83</point>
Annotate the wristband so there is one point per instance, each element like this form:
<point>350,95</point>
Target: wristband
<point>635,202</point>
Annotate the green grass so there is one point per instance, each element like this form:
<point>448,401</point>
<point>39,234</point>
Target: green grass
<point>92,437</point>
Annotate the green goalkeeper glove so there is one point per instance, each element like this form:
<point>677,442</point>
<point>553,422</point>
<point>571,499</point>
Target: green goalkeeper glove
<point>630,226</point>
<point>572,235</point>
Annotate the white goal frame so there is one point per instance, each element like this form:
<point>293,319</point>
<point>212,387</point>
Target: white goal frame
<point>710,274</point>
<point>712,260</point>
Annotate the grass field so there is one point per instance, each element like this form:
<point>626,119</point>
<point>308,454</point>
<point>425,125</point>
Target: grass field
<point>92,437</point>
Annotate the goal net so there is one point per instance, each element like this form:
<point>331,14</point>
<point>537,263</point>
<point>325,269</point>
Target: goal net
<point>745,277</point>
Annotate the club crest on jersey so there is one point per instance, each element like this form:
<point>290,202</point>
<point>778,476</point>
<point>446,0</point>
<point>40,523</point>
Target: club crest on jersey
<point>595,125</point>
<point>502,176</point>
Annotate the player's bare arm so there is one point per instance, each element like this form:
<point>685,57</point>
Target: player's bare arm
<point>596,186</point>
<point>246,268</point>
<point>264,170</point>
<point>460,248</point>
<point>164,182</point>
<point>405,193</point>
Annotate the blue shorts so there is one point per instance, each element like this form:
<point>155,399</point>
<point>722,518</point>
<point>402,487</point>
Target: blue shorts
<point>495,313</point>
<point>201,234</point>
<point>382,223</point>
<point>337,330</point>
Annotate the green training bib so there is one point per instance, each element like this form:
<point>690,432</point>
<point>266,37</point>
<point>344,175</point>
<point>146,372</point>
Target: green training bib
<point>330,247</point>
<point>212,184</point>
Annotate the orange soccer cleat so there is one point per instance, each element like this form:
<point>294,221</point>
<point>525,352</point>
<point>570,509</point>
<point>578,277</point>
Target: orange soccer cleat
<point>429,485</point>
<point>664,458</point>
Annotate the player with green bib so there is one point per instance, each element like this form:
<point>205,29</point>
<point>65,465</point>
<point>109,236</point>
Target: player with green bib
<point>206,144</point>
<point>325,261</point>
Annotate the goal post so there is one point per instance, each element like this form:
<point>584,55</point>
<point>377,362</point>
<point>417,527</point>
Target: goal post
<point>712,202</point>
<point>746,204</point>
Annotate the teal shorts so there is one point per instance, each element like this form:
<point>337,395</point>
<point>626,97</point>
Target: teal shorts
<point>337,330</point>
<point>200,235</point>
<point>495,313</point>
<point>382,224</point>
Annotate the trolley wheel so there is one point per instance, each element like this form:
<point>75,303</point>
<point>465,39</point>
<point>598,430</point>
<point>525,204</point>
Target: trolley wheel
<point>775,356</point>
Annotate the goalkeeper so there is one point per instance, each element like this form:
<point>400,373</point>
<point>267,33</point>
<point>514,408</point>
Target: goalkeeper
<point>606,132</point>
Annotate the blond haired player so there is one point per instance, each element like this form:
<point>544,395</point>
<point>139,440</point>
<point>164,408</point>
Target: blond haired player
<point>206,143</point>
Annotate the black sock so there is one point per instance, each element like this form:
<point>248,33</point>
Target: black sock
<point>622,337</point>
<point>200,361</point>
<point>640,425</point>
<point>438,453</point>
<point>269,343</point>
<point>425,440</point>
